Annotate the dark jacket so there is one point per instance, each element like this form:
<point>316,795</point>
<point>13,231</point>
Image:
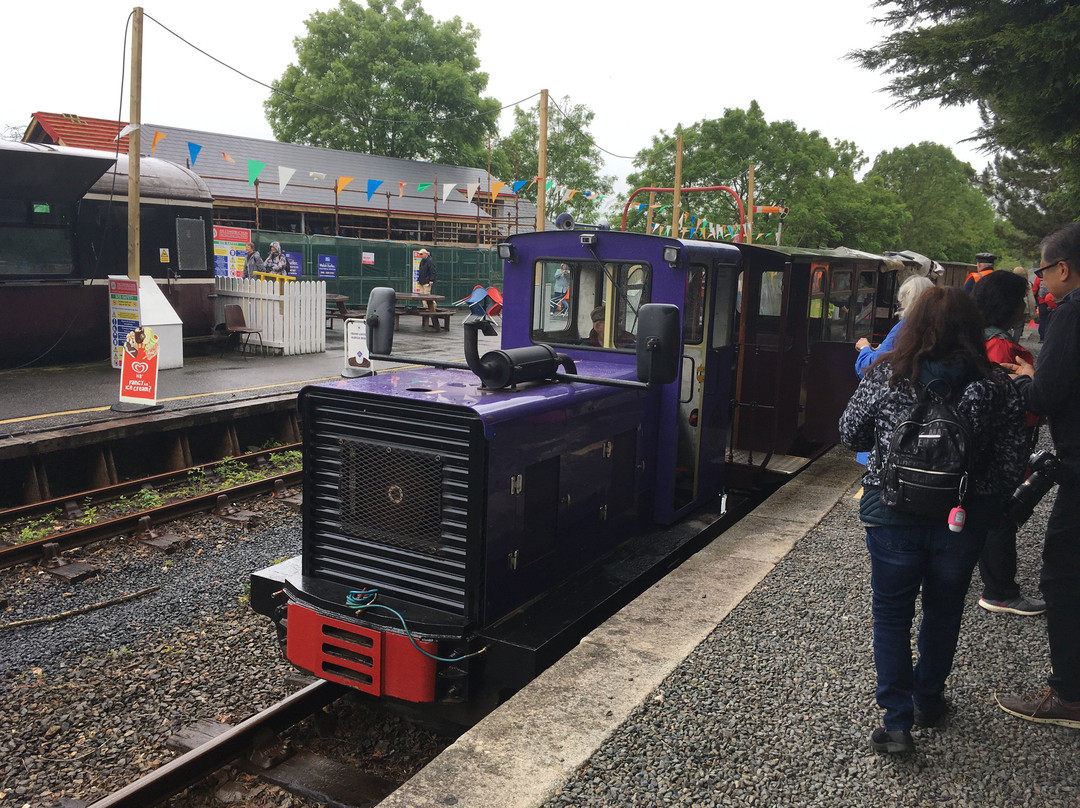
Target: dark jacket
<point>1055,390</point>
<point>427,271</point>
<point>992,407</point>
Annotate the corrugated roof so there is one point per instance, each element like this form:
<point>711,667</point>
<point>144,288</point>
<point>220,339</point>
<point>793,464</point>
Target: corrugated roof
<point>65,129</point>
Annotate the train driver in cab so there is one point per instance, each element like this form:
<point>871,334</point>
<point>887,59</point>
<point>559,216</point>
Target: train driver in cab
<point>623,339</point>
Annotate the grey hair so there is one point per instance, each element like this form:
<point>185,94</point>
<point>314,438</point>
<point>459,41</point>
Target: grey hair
<point>910,291</point>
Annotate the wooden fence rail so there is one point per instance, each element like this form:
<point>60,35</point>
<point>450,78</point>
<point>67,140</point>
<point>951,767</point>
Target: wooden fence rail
<point>292,315</point>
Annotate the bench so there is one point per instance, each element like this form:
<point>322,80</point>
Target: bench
<point>439,319</point>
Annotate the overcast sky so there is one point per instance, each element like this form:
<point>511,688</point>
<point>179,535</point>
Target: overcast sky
<point>641,68</point>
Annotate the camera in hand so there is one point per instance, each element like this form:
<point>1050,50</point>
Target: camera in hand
<point>1044,467</point>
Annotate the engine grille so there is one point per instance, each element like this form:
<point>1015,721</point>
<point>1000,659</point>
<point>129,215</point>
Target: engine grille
<point>393,496</point>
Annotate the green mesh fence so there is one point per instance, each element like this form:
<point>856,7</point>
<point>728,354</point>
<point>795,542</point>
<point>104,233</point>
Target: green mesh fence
<point>362,265</point>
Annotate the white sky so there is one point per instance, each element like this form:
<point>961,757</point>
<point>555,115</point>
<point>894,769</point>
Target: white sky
<point>640,67</point>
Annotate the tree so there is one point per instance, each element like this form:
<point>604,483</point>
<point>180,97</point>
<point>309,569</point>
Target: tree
<point>386,80</point>
<point>573,159</point>
<point>1016,60</point>
<point>950,219</point>
<point>816,180</point>
<point>1024,189</point>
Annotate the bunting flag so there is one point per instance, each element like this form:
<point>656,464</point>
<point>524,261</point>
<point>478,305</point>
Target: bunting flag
<point>158,137</point>
<point>193,150</point>
<point>341,183</point>
<point>495,188</point>
<point>423,187</point>
<point>372,187</point>
<point>401,189</point>
<point>317,175</point>
<point>447,189</point>
<point>470,190</point>
<point>283,176</point>
<point>225,156</point>
<point>665,207</point>
<point>549,184</point>
<point>518,185</point>
<point>127,130</point>
<point>643,205</point>
<point>254,170</point>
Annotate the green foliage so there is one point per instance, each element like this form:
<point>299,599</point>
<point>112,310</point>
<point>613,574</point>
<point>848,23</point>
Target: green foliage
<point>815,179</point>
<point>234,472</point>
<point>147,498</point>
<point>1025,190</point>
<point>36,529</point>
<point>950,219</point>
<point>386,80</point>
<point>287,461</point>
<point>1016,61</point>
<point>572,158</point>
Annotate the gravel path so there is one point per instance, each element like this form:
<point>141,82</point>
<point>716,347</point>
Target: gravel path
<point>776,707</point>
<point>89,700</point>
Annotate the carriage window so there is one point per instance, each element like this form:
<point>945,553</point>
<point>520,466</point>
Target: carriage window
<point>864,305</point>
<point>571,304</point>
<point>816,306</point>
<point>839,306</point>
<point>35,240</point>
<point>724,306</point>
<point>772,292</point>
<point>694,306</point>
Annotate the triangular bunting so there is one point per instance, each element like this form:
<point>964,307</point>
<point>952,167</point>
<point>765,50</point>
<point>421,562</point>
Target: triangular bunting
<point>471,189</point>
<point>447,189</point>
<point>254,170</point>
<point>423,187</point>
<point>193,150</point>
<point>226,157</point>
<point>283,176</point>
<point>342,182</point>
<point>158,137</point>
<point>127,130</point>
<point>495,188</point>
<point>401,189</point>
<point>372,187</point>
<point>519,184</point>
<point>317,175</point>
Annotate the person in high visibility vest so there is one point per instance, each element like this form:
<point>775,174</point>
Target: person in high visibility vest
<point>984,265</point>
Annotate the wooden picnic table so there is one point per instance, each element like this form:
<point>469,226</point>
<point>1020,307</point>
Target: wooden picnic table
<point>336,308</point>
<point>428,317</point>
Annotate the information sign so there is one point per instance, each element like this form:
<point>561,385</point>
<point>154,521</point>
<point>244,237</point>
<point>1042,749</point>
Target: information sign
<point>327,266</point>
<point>123,314</point>
<point>230,251</point>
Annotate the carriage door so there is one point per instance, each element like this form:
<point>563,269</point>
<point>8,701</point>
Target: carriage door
<point>705,381</point>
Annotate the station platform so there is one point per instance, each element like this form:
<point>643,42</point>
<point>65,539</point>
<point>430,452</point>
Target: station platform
<point>43,398</point>
<point>746,677</point>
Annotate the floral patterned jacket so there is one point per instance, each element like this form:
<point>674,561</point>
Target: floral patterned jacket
<point>992,406</point>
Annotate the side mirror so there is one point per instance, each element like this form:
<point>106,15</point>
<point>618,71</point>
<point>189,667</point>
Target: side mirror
<point>659,343</point>
<point>380,320</point>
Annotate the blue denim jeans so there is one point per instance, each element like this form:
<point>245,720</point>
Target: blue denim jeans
<point>903,559</point>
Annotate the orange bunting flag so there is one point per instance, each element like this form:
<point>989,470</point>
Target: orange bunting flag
<point>401,189</point>
<point>227,158</point>
<point>495,188</point>
<point>158,137</point>
<point>342,182</point>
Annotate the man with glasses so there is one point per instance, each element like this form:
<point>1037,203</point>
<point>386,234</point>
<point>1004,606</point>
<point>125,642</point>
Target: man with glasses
<point>1054,390</point>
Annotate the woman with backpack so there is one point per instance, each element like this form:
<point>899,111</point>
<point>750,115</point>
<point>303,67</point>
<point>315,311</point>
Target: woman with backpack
<point>941,353</point>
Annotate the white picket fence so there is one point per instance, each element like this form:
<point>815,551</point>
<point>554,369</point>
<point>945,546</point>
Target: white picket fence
<point>292,317</point>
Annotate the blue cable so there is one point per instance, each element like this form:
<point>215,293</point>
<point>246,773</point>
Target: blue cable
<point>361,599</point>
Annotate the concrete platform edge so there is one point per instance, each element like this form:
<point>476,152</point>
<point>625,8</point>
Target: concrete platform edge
<point>524,751</point>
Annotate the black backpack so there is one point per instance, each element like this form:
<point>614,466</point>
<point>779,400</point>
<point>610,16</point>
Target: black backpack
<point>925,468</point>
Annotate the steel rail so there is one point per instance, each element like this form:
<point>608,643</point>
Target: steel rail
<point>31,551</point>
<point>193,766</point>
<point>111,492</point>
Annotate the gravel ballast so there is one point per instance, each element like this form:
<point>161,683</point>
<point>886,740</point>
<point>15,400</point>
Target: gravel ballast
<point>776,707</point>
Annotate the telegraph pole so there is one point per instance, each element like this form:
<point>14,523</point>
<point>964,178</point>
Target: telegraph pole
<point>133,143</point>
<point>541,180</point>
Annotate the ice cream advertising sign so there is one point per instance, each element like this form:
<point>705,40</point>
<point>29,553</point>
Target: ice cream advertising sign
<point>138,374</point>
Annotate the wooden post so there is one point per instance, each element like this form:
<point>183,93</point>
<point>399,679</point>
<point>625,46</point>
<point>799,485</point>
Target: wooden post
<point>435,221</point>
<point>387,215</point>
<point>648,222</point>
<point>134,144</point>
<point>750,208</point>
<point>541,179</point>
<point>675,223</point>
